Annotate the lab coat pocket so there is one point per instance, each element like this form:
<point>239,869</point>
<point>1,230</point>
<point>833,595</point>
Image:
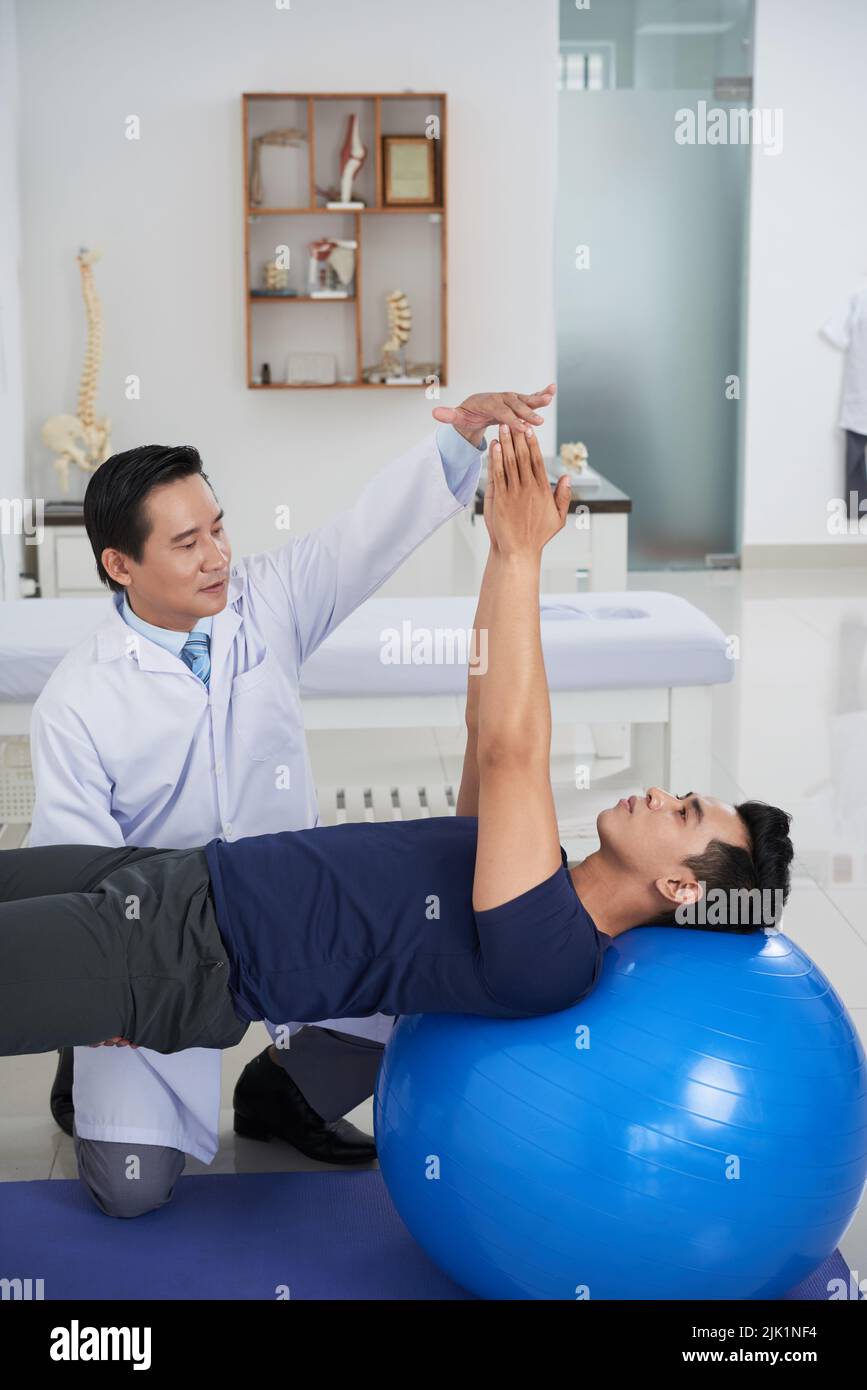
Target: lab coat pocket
<point>265,710</point>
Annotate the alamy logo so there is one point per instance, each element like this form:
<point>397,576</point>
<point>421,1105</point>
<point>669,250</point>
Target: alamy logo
<point>854,1288</point>
<point>24,1290</point>
<point>733,907</point>
<point>739,125</point>
<point>23,516</point>
<point>440,646</point>
<point>77,1343</point>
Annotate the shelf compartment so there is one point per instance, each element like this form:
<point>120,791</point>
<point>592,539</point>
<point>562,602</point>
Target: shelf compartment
<point>296,232</point>
<point>284,169</point>
<point>323,326</point>
<point>404,252</point>
<point>331,119</point>
<point>410,114</point>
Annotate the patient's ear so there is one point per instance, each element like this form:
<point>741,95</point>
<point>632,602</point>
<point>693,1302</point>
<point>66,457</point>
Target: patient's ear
<point>678,892</point>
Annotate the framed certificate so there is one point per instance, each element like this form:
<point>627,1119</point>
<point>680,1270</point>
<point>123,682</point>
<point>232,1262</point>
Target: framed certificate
<point>409,170</point>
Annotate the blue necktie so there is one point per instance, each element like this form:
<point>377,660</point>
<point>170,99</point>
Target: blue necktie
<point>196,654</point>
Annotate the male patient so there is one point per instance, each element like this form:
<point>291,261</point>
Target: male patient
<point>338,919</point>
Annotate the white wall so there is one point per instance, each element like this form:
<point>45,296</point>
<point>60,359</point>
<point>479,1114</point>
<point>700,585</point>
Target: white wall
<point>168,212</point>
<point>11,402</point>
<point>808,253</point>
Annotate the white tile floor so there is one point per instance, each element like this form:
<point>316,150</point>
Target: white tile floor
<point>791,729</point>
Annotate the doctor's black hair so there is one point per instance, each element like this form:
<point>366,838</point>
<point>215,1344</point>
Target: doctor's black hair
<point>115,516</point>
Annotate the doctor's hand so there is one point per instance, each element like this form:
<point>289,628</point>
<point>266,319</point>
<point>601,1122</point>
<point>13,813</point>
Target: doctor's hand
<point>473,416</point>
<point>116,1042</point>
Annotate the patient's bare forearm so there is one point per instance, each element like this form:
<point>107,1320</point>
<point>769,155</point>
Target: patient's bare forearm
<point>468,796</point>
<point>514,705</point>
<point>478,644</point>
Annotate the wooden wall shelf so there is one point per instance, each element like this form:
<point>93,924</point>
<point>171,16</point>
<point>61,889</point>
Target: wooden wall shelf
<point>303,299</point>
<point>336,212</point>
<point>409,255</point>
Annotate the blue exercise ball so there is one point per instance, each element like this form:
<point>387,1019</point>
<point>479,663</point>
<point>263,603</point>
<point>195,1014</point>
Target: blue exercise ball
<point>696,1127</point>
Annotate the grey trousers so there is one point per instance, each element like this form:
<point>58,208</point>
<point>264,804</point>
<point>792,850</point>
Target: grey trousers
<point>100,943</point>
<point>64,895</point>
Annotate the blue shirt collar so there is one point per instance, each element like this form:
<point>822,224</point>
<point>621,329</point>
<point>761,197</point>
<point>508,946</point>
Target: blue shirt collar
<point>163,636</point>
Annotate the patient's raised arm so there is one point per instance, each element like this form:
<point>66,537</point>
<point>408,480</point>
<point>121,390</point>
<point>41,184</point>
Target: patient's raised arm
<point>518,841</point>
<point>468,796</point>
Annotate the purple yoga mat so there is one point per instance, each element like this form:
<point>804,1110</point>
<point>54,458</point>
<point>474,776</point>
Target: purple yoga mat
<point>237,1236</point>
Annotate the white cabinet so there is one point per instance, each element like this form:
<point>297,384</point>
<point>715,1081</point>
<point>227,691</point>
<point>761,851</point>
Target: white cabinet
<point>66,565</point>
<point>595,539</point>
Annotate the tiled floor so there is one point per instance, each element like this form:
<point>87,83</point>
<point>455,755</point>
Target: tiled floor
<point>791,729</point>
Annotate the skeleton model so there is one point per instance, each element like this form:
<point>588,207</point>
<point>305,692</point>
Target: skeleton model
<point>331,267</point>
<point>352,158</point>
<point>399,325</point>
<point>574,457</point>
<point>82,439</point>
<point>276,277</point>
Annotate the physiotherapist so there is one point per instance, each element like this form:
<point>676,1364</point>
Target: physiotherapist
<point>179,721</point>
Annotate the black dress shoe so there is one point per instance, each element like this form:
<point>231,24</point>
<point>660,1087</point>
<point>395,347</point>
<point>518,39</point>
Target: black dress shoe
<point>269,1105</point>
<point>61,1091</point>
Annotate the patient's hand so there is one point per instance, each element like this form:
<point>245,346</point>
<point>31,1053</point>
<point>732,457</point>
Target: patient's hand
<point>473,416</point>
<point>523,514</point>
<point>116,1042</point>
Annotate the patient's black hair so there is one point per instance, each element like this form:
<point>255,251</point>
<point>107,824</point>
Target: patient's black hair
<point>114,512</point>
<point>761,870</point>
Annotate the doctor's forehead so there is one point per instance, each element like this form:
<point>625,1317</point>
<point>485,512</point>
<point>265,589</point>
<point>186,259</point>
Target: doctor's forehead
<point>189,499</point>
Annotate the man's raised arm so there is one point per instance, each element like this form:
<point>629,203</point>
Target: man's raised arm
<point>518,842</point>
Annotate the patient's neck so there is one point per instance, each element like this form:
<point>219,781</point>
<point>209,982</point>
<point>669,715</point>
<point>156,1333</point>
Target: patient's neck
<point>614,901</point>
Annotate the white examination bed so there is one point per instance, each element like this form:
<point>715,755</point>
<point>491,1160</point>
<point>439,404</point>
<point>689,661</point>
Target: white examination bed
<point>621,658</point>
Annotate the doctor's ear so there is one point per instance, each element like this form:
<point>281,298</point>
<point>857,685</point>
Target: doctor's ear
<point>115,567</point>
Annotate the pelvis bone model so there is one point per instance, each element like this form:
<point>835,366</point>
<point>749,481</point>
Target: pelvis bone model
<point>83,439</point>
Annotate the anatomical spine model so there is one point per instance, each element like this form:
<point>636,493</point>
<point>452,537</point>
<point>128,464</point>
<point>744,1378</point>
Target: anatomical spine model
<point>399,325</point>
<point>83,439</point>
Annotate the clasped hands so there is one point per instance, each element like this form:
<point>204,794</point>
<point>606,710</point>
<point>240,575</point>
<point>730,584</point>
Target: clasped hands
<point>522,513</point>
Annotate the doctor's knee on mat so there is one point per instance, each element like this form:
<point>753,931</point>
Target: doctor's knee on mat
<point>127,1180</point>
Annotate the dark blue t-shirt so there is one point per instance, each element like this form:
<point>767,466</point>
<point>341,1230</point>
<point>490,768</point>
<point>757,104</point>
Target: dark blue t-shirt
<point>377,917</point>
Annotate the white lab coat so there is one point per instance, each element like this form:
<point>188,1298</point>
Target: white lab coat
<point>129,747</point>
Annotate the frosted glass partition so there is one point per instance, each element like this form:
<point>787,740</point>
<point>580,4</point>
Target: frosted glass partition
<point>649,331</point>
<point>650,270</point>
